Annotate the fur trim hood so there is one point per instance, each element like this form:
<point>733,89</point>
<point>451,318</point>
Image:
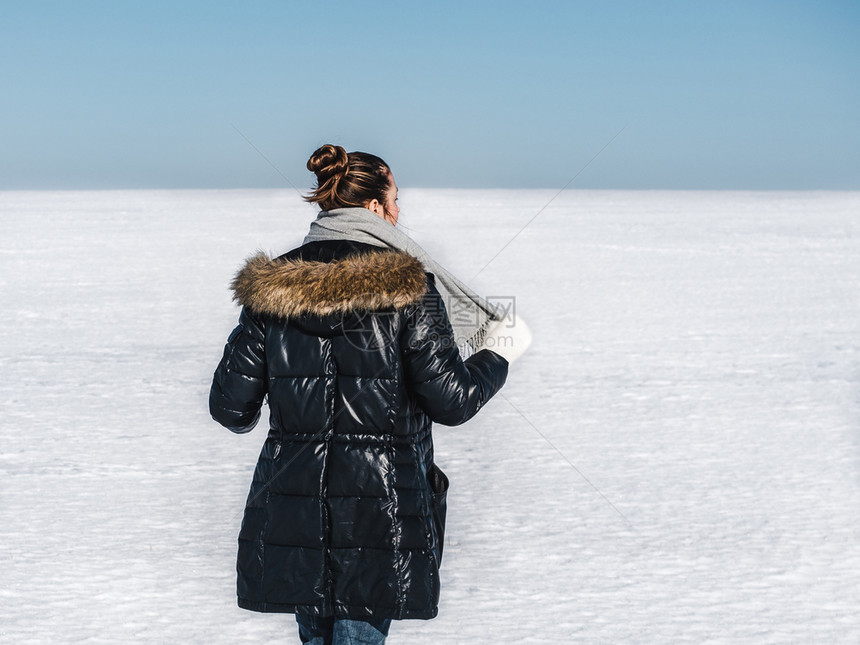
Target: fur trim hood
<point>373,281</point>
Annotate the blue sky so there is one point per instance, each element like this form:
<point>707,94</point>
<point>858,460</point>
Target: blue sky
<point>727,95</point>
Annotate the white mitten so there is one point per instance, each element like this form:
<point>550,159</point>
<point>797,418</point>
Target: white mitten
<point>509,338</point>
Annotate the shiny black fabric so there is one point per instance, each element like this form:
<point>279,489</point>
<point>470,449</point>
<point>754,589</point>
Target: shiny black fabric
<point>346,512</point>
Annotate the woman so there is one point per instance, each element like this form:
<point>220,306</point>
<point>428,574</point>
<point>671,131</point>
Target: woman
<point>348,336</point>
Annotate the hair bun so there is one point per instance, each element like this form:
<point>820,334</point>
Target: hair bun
<point>328,161</point>
<point>347,180</point>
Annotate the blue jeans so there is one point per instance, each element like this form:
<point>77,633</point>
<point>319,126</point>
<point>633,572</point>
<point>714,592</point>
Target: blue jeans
<point>341,631</point>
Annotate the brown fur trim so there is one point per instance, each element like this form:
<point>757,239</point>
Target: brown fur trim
<point>385,279</point>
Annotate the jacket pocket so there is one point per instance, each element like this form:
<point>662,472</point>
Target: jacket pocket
<point>439,506</point>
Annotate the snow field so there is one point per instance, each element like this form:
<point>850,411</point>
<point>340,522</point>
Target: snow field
<point>675,459</point>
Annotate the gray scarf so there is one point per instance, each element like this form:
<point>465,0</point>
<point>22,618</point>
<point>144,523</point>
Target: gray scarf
<point>469,313</point>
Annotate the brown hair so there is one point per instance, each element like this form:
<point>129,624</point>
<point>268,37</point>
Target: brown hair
<point>347,179</point>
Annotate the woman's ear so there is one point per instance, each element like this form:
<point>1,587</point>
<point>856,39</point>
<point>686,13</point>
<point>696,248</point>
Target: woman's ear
<point>375,206</point>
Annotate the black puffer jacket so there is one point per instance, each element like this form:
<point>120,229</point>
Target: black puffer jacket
<point>346,511</point>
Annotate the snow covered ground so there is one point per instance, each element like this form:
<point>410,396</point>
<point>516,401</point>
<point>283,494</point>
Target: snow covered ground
<point>676,460</point>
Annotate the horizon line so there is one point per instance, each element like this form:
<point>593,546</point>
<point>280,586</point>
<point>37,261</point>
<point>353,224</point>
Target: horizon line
<point>449,188</point>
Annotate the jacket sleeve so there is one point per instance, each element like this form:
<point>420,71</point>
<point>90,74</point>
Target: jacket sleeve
<point>449,389</point>
<point>239,383</point>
